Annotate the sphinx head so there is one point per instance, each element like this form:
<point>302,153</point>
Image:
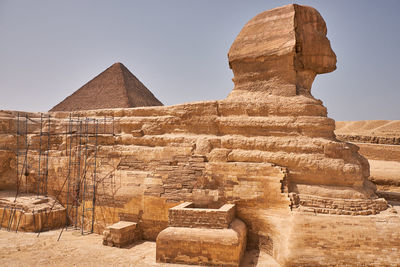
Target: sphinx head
<point>280,52</point>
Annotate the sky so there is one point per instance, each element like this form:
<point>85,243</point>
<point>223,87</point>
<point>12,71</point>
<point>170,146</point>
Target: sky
<point>178,49</point>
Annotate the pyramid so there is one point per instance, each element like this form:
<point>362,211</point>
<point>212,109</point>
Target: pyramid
<point>116,87</point>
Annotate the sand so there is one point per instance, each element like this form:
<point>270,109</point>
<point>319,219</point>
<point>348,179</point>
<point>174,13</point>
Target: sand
<point>73,249</point>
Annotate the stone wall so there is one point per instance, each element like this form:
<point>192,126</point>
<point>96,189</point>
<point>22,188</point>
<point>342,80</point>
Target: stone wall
<point>337,206</point>
<point>345,240</point>
<point>187,215</point>
<point>354,138</point>
<point>142,177</point>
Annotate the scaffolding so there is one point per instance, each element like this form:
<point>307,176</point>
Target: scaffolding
<point>43,170</point>
<point>81,177</point>
<point>82,174</point>
<point>21,153</point>
<point>79,187</point>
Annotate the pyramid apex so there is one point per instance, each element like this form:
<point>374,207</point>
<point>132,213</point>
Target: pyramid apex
<point>117,65</point>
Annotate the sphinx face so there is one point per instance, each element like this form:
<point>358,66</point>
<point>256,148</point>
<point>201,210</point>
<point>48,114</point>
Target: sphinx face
<point>280,51</point>
<point>313,49</point>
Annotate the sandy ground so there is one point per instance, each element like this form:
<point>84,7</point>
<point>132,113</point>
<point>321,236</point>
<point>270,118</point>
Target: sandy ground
<point>73,249</point>
<point>369,127</point>
<point>385,170</point>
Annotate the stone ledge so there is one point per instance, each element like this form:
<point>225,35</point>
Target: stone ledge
<point>390,196</point>
<point>338,206</point>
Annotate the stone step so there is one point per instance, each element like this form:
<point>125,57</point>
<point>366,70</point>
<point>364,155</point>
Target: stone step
<point>121,234</point>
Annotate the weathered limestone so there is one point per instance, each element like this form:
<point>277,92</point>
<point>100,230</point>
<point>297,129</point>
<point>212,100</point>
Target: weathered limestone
<point>30,213</point>
<point>384,132</point>
<point>345,240</point>
<point>187,215</point>
<point>275,58</point>
<point>221,247</point>
<point>121,234</point>
<point>202,236</point>
<point>279,52</point>
<point>379,142</point>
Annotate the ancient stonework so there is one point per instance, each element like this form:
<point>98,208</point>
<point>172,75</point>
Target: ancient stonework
<point>188,215</point>
<point>116,87</point>
<point>121,234</point>
<point>30,213</point>
<point>204,236</point>
<point>268,148</point>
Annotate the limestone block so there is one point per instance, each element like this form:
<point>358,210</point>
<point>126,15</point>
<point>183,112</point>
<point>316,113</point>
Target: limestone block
<point>121,234</point>
<point>221,247</point>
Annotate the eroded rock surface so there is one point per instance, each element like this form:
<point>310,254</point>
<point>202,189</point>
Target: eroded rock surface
<point>275,59</point>
<point>379,142</point>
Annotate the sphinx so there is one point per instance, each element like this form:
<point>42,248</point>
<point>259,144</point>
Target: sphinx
<point>269,148</point>
<point>275,59</point>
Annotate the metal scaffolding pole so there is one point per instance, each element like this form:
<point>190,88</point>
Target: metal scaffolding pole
<point>79,171</point>
<point>78,178</point>
<point>47,158</point>
<point>69,169</point>
<point>94,174</point>
<point>25,167</point>
<point>19,178</point>
<point>84,175</point>
<point>17,150</point>
<point>40,154</point>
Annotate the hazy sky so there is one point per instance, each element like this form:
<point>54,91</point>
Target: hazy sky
<point>178,49</point>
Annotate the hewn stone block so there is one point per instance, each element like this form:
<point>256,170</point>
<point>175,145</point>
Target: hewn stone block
<point>188,215</point>
<point>121,234</point>
<point>220,247</point>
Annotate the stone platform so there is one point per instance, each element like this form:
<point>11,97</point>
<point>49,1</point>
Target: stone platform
<point>202,246</point>
<point>30,213</point>
<point>202,236</point>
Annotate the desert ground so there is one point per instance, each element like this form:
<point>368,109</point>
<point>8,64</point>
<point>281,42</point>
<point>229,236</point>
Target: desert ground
<point>74,249</point>
<point>379,142</point>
